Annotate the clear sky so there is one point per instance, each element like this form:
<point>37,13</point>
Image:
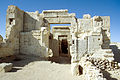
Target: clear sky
<point>93,7</point>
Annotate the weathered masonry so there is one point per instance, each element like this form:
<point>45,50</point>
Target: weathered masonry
<point>29,33</point>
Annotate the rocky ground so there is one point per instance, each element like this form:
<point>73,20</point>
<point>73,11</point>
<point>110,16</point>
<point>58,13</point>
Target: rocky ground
<point>35,68</point>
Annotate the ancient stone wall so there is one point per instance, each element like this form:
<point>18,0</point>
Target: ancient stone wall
<point>23,28</point>
<point>35,36</point>
<point>14,25</point>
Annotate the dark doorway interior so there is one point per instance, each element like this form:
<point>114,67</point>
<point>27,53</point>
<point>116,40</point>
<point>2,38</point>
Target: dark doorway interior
<point>64,46</point>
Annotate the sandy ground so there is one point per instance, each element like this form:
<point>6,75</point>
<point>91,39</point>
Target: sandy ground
<point>32,68</point>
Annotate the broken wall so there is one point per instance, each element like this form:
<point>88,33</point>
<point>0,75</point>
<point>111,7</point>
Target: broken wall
<point>19,25</point>
<point>14,25</point>
<point>34,42</point>
<point>91,39</point>
<point>34,39</point>
<point>90,30</point>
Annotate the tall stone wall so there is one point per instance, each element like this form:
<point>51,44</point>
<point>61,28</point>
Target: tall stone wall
<point>27,25</point>
<point>34,39</point>
<point>14,25</point>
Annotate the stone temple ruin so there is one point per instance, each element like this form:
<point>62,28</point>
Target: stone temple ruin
<point>85,42</point>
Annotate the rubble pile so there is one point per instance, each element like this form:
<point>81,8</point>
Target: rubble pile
<point>104,64</point>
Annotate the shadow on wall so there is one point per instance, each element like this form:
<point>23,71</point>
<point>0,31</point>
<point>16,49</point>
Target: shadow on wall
<point>106,40</point>
<point>29,22</point>
<point>107,75</point>
<point>116,52</point>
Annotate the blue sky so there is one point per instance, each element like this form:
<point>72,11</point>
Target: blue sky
<point>93,7</point>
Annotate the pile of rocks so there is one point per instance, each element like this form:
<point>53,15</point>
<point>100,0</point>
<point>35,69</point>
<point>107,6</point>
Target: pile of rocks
<point>103,64</point>
<point>92,72</point>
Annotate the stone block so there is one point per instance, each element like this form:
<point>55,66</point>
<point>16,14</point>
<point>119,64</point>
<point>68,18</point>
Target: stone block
<point>75,69</point>
<point>6,66</point>
<point>59,20</point>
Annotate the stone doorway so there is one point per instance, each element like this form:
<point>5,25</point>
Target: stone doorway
<point>60,44</point>
<point>63,46</point>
